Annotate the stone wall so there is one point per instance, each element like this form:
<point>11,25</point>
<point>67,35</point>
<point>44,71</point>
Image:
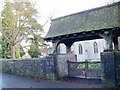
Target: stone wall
<point>110,61</point>
<point>62,63</point>
<point>117,67</point>
<point>42,67</point>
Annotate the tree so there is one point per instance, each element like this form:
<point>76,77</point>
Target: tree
<point>17,51</point>
<point>0,24</point>
<point>19,22</point>
<point>22,52</point>
<point>34,51</point>
<point>36,42</point>
<point>8,26</point>
<point>5,48</point>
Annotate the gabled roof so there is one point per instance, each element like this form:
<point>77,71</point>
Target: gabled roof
<point>94,19</point>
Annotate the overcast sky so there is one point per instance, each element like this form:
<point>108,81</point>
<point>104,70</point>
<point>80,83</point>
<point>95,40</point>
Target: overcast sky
<point>63,7</point>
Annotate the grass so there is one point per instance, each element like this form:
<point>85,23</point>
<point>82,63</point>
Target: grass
<point>90,65</point>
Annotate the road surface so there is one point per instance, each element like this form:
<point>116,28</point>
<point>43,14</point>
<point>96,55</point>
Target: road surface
<point>12,81</point>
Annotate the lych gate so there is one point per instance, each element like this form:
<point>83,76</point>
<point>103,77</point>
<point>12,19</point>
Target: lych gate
<point>85,69</point>
<point>103,22</point>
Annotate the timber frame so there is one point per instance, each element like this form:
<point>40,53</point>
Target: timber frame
<point>110,35</point>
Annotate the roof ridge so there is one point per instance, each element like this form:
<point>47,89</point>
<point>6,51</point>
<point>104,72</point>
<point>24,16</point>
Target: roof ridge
<point>109,5</point>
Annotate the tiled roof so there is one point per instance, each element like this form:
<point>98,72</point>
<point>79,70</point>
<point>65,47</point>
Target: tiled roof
<point>94,19</point>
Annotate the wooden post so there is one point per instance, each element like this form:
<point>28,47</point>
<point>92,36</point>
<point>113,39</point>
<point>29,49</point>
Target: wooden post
<point>68,46</point>
<point>115,41</point>
<point>108,36</point>
<point>86,68</point>
<point>111,38</point>
<point>55,45</point>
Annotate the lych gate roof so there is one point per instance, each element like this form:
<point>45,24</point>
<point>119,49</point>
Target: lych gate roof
<point>94,19</point>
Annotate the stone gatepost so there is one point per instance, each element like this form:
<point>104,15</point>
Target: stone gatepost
<point>110,61</point>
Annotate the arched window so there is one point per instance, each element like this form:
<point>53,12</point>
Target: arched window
<point>95,45</point>
<point>80,49</point>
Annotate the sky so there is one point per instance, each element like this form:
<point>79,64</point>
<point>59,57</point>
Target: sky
<point>64,7</point>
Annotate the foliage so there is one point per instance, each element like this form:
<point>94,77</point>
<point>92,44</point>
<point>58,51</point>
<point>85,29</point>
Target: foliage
<point>34,51</point>
<point>5,49</point>
<point>22,53</point>
<point>36,39</point>
<point>19,22</point>
<point>5,52</point>
<point>0,24</point>
<point>0,47</point>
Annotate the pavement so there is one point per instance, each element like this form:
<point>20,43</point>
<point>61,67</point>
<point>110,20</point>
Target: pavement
<point>13,81</point>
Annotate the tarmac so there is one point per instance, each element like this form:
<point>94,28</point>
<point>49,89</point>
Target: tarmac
<point>13,81</point>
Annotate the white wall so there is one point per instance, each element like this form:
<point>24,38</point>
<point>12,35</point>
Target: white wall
<point>88,50</point>
<point>62,48</point>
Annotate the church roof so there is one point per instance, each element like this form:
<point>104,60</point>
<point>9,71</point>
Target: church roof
<point>95,19</point>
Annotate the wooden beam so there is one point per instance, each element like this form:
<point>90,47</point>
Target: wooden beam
<point>68,46</point>
<point>55,45</point>
<point>74,34</point>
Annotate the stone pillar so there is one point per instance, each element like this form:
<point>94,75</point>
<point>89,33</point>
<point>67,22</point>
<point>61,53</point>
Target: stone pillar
<point>110,62</point>
<point>54,52</point>
<point>56,66</point>
<point>117,62</point>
